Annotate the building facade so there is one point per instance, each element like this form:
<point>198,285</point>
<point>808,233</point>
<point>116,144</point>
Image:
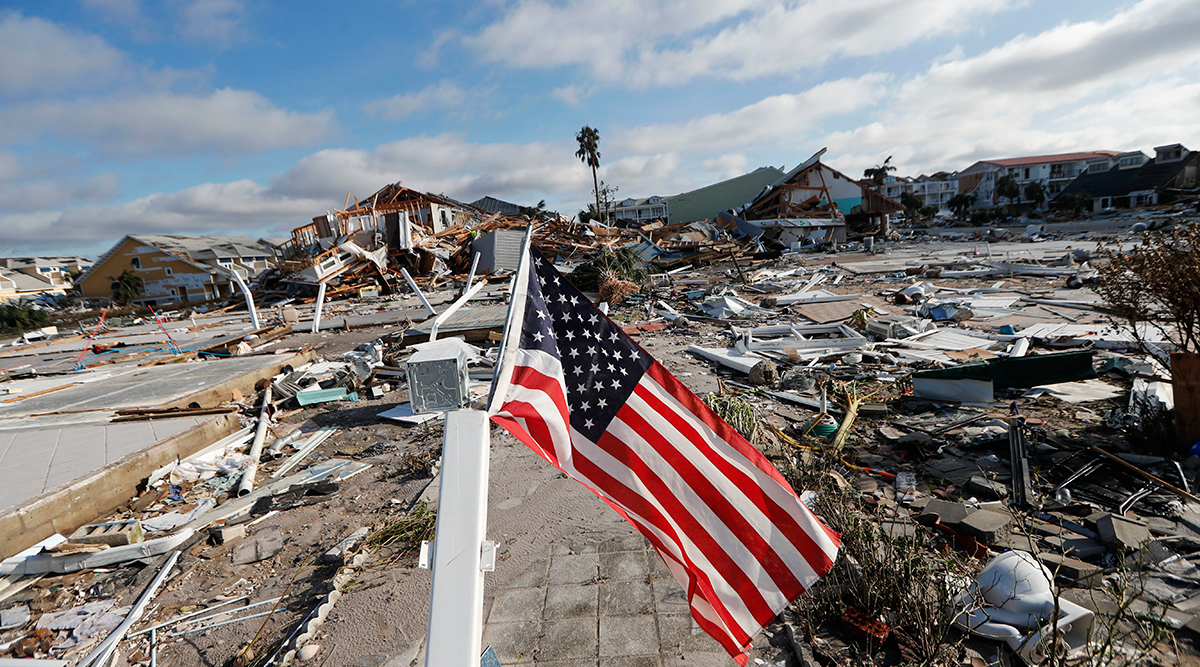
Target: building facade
<point>1054,172</point>
<point>178,269</point>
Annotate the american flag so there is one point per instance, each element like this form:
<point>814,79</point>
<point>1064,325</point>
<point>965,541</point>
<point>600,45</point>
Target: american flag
<point>572,386</point>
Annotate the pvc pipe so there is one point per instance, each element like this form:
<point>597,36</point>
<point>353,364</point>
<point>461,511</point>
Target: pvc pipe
<point>101,653</point>
<point>249,299</point>
<point>462,300</point>
<point>247,484</point>
<point>413,284</point>
<point>320,304</point>
<point>456,599</point>
<point>275,451</point>
<point>471,275</point>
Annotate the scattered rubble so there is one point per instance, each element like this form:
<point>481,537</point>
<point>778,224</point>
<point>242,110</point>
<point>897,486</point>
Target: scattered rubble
<point>958,411</point>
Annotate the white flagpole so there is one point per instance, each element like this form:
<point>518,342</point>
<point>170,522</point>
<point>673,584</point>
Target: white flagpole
<point>460,553</point>
<point>516,317</point>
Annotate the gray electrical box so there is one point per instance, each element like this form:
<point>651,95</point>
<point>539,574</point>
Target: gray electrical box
<point>437,378</point>
<point>894,326</point>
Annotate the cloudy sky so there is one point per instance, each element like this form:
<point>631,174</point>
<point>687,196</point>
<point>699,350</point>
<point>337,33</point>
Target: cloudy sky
<point>251,116</point>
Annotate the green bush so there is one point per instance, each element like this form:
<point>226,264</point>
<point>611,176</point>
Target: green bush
<point>20,317</point>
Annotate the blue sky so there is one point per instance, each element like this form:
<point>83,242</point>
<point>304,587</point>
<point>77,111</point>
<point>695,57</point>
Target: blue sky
<point>251,116</point>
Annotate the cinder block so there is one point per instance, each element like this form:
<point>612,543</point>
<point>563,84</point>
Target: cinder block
<point>1120,534</point>
<point>948,513</point>
<point>1065,566</point>
<point>986,526</point>
<point>1076,547</point>
<point>223,534</point>
<point>986,488</point>
<point>113,533</point>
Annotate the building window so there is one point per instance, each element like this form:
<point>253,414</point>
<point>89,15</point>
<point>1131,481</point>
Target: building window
<point>1027,173</point>
<point>169,271</point>
<point>136,262</point>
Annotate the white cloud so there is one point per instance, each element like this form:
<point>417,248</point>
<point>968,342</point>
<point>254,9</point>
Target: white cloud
<point>446,163</point>
<point>727,166</point>
<point>37,56</point>
<point>781,117</point>
<point>127,13</point>
<point>217,22</point>
<point>33,195</point>
<point>669,42</point>
<point>441,95</point>
<point>598,35</point>
<point>9,166</point>
<point>1109,84</point>
<point>224,122</point>
<point>573,95</point>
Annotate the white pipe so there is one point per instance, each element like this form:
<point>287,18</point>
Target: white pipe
<point>456,599</point>
<point>320,304</point>
<point>101,653</point>
<point>471,275</point>
<point>413,284</point>
<point>249,299</point>
<point>462,300</point>
<point>247,484</point>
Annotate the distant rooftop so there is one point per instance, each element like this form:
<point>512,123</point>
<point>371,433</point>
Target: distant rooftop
<point>1042,159</point>
<point>205,247</point>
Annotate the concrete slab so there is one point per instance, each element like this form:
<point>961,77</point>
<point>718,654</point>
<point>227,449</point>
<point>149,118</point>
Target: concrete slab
<point>571,601</point>
<point>574,569</point>
<point>620,598</point>
<point>35,460</point>
<point>568,639</point>
<point>628,636</point>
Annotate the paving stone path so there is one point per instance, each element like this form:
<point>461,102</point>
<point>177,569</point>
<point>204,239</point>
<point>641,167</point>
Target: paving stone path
<point>612,605</point>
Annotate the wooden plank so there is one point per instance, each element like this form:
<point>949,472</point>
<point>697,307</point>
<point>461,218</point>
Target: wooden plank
<point>1185,380</point>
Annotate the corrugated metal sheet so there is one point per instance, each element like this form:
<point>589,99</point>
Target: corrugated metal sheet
<point>499,250</point>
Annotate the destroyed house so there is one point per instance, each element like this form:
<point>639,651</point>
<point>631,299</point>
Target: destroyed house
<point>493,205</point>
<point>1138,181</point>
<point>16,284</point>
<point>53,271</point>
<point>178,269</point>
<point>821,197</point>
<point>388,216</point>
<point>706,202</point>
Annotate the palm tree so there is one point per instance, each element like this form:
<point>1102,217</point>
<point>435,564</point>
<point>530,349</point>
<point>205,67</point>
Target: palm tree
<point>1008,188</point>
<point>960,204</point>
<point>1036,193</point>
<point>879,171</point>
<point>589,153</point>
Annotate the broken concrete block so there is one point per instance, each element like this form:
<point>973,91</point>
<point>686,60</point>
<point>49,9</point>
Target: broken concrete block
<point>1120,534</point>
<point>113,533</point>
<point>338,553</point>
<point>986,488</point>
<point>986,526</point>
<point>764,372</point>
<point>1076,547</point>
<point>1065,566</point>
<point>897,529</point>
<point>223,534</point>
<point>268,543</point>
<point>916,438</point>
<point>948,513</point>
<point>890,434</point>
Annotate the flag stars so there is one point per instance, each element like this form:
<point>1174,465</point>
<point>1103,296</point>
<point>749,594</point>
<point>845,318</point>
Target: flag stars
<point>602,403</point>
<point>570,335</point>
<point>584,406</point>
<point>538,336</point>
<point>588,423</point>
<point>616,384</point>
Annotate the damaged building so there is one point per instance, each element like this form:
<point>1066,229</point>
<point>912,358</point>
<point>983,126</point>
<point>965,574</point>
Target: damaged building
<point>178,269</point>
